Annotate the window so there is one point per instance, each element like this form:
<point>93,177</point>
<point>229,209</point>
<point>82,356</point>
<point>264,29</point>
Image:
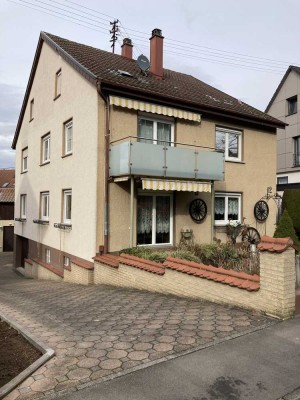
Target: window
<point>282,180</point>
<point>68,138</point>
<point>58,83</point>
<point>292,105</point>
<point>155,132</point>
<point>47,256</point>
<point>66,261</point>
<point>154,219</point>
<point>230,141</point>
<point>227,208</point>
<point>25,159</point>
<point>67,209</point>
<point>46,149</point>
<point>23,206</point>
<point>45,206</point>
<point>297,152</point>
<point>31,110</point>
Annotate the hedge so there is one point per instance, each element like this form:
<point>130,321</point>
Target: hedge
<point>291,203</point>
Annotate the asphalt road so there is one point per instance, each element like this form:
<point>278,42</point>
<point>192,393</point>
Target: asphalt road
<point>264,365</point>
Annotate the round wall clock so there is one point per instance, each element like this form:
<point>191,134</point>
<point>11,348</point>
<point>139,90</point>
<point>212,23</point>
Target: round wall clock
<point>261,210</point>
<point>198,210</point>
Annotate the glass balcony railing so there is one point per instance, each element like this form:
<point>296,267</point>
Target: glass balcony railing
<point>131,157</point>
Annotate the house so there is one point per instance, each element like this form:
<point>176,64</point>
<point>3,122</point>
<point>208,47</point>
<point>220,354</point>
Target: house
<point>7,203</point>
<point>284,106</point>
<point>112,154</point>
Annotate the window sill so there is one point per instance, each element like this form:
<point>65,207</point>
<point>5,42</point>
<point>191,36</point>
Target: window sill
<point>24,172</point>
<point>44,163</point>
<point>66,155</point>
<point>40,222</point>
<point>57,97</point>
<point>288,115</point>
<point>20,219</point>
<point>31,119</point>
<point>63,226</point>
<point>235,161</point>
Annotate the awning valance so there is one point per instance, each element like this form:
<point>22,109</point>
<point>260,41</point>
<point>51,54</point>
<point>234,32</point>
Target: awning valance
<point>154,108</point>
<point>183,186</point>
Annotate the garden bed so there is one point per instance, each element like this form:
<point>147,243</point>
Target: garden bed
<point>238,257</point>
<point>16,353</point>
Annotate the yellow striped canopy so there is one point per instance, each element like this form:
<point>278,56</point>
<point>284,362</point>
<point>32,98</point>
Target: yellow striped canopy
<point>183,186</point>
<point>154,108</point>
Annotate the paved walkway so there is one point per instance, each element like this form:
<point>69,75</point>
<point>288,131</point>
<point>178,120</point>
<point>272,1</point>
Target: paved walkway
<point>100,332</point>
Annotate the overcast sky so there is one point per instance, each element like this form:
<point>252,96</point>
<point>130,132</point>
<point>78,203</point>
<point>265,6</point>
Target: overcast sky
<point>202,38</point>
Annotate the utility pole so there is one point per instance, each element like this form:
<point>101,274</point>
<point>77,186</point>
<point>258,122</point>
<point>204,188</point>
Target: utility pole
<point>114,33</point>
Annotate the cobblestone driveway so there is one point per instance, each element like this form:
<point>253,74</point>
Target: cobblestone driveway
<point>99,332</point>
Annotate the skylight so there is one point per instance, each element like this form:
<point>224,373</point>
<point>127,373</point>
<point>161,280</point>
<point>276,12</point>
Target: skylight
<point>5,184</point>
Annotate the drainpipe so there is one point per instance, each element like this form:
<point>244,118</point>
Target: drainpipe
<point>106,167</point>
<point>212,211</point>
<point>131,209</point>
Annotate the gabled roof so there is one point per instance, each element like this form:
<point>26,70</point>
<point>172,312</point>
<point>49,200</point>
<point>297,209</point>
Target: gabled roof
<point>290,68</point>
<point>7,178</point>
<point>102,68</point>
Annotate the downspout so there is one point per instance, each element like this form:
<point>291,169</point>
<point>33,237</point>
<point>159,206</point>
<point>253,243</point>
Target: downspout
<point>212,211</point>
<point>106,167</point>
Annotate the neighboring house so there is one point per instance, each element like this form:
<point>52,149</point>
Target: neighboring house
<point>284,105</point>
<point>7,203</point>
<point>109,156</point>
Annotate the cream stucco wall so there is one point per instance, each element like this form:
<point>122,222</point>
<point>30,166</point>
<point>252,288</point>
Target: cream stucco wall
<point>250,178</point>
<point>78,100</point>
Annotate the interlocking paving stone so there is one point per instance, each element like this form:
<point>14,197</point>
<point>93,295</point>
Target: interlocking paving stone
<point>98,331</point>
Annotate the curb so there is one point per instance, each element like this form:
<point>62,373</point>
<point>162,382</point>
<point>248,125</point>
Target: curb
<point>45,350</point>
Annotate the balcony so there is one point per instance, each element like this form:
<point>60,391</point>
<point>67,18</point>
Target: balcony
<point>297,160</point>
<point>129,157</point>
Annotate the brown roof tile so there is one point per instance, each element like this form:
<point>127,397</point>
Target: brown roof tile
<point>7,195</point>
<point>108,259</point>
<point>50,267</point>
<point>7,176</point>
<point>175,85</point>
<point>141,263</point>
<point>229,277</point>
<point>82,263</point>
<point>274,245</point>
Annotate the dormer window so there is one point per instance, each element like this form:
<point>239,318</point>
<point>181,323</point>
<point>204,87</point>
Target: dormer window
<point>292,105</point>
<point>57,84</point>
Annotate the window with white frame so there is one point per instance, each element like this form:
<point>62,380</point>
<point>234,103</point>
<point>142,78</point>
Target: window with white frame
<point>292,105</point>
<point>230,141</point>
<point>66,261</point>
<point>154,219</point>
<point>45,206</point>
<point>67,207</point>
<point>68,137</point>
<point>227,208</point>
<point>23,206</point>
<point>48,256</point>
<point>31,111</point>
<point>25,160</point>
<point>154,131</point>
<point>58,83</point>
<point>46,148</point>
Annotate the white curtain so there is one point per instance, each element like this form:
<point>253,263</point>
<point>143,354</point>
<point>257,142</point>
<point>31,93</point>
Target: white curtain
<point>233,208</point>
<point>163,134</point>
<point>144,214</point>
<point>220,208</point>
<point>162,214</point>
<point>145,131</point>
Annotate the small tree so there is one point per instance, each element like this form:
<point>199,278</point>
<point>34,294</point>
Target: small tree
<point>285,229</point>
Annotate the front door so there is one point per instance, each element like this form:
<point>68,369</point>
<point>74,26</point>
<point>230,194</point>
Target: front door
<point>154,219</point>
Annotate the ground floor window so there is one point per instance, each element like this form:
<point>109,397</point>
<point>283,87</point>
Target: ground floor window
<point>227,208</point>
<point>154,219</point>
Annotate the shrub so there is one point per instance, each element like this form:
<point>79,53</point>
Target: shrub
<point>291,203</point>
<point>285,229</point>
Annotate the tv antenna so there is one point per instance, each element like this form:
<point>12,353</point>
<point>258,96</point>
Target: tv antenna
<point>114,33</point>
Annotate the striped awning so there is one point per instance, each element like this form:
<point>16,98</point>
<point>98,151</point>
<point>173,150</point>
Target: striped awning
<point>181,186</point>
<point>154,108</point>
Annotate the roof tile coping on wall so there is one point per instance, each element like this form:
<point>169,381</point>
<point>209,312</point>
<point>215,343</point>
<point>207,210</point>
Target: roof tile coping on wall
<point>108,259</point>
<point>28,261</point>
<point>50,267</point>
<point>275,245</point>
<point>229,277</point>
<point>82,263</point>
<point>141,263</point>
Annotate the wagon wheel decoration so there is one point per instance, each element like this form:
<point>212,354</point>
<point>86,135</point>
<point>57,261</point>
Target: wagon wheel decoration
<point>251,236</point>
<point>198,210</point>
<point>261,210</point>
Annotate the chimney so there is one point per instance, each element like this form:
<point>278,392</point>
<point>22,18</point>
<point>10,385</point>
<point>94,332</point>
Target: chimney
<point>127,48</point>
<point>156,53</point>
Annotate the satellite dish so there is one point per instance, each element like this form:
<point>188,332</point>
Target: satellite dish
<point>143,62</point>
